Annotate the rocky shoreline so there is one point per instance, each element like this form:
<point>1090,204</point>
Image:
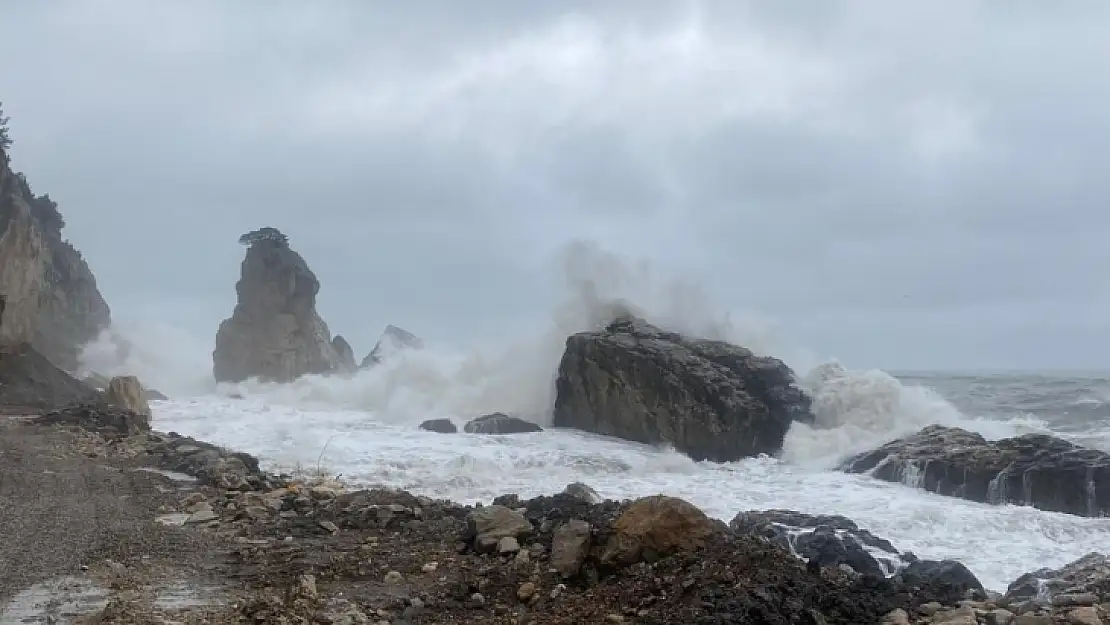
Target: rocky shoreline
<point>274,549</point>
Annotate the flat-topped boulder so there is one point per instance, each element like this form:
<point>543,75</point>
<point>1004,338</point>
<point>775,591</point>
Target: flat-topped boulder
<point>1038,470</point>
<point>710,399</point>
<point>500,423</point>
<point>275,333</point>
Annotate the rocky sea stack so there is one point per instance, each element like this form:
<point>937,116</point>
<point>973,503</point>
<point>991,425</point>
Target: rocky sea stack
<point>710,399</point>
<point>275,333</point>
<point>48,295</point>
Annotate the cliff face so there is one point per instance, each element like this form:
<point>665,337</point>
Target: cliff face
<point>50,295</point>
<point>275,333</point>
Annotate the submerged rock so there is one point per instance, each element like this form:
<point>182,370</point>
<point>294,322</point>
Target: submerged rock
<point>710,399</point>
<point>827,541</point>
<point>1035,470</point>
<point>442,426</point>
<point>500,423</point>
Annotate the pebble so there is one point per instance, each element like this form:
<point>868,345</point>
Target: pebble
<point>430,567</point>
<point>526,590</point>
<point>897,617</point>
<point>328,525</point>
<point>394,577</point>
<point>614,618</point>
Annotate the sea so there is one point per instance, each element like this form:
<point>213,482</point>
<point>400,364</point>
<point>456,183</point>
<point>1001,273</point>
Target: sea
<point>363,429</point>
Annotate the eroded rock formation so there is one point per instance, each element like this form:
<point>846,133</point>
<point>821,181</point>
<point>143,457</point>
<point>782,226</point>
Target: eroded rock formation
<point>392,340</point>
<point>50,295</point>
<point>710,399</point>
<point>275,333</point>
<point>1035,470</point>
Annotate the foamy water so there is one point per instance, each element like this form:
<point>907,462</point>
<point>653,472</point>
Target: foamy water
<point>998,543</point>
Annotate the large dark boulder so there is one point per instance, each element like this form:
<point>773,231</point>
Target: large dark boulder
<point>500,423</point>
<point>710,399</point>
<point>1035,470</point>
<point>834,541</point>
<point>441,426</point>
<point>826,541</point>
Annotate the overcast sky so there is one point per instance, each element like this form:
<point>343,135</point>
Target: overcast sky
<point>904,185</point>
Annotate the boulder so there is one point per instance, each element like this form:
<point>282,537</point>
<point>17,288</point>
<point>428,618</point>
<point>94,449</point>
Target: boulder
<point>485,527</point>
<point>951,575</point>
<point>1035,470</point>
<point>500,423</point>
<point>392,341</point>
<point>710,399</point>
<point>570,546</point>
<point>826,541</point>
<point>274,333</point>
<point>344,352</point>
<point>127,393</point>
<point>655,527</point>
<point>442,426</point>
<point>1089,574</point>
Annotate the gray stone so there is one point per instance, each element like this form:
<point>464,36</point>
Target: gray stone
<point>570,546</point>
<point>711,400</point>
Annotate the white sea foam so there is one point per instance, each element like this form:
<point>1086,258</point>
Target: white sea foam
<point>364,427</point>
<point>998,543</point>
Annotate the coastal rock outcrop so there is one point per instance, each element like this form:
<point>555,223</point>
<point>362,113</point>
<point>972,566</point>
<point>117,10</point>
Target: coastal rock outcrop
<point>837,542</point>
<point>500,423</point>
<point>440,426</point>
<point>392,340</point>
<point>1037,470</point>
<point>50,295</point>
<point>710,399</point>
<point>344,352</point>
<point>1087,575</point>
<point>275,333</point>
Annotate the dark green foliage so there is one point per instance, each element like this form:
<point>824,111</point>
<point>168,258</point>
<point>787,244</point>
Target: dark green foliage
<point>46,211</point>
<point>264,234</point>
<point>5,138</point>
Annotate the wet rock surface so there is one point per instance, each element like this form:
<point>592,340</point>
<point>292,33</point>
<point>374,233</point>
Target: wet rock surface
<point>440,426</point>
<point>710,399</point>
<point>500,423</point>
<point>828,541</point>
<point>1035,470</point>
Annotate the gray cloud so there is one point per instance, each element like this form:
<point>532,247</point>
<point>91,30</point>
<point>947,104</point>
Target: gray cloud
<point>898,186</point>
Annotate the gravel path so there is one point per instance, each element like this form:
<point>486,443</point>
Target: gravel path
<point>60,510</point>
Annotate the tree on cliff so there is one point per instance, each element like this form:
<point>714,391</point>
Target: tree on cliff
<point>5,139</point>
<point>264,234</point>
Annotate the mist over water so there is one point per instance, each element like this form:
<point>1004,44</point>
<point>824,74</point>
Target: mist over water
<point>363,426</point>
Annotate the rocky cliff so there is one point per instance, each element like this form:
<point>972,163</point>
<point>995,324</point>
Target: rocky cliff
<point>710,399</point>
<point>50,295</point>
<point>275,333</point>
